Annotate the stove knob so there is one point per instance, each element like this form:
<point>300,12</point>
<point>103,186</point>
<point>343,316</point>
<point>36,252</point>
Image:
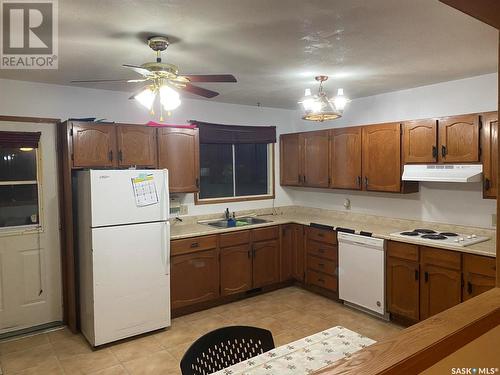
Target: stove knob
<point>456,240</point>
<point>461,239</point>
<point>473,236</point>
<point>469,237</point>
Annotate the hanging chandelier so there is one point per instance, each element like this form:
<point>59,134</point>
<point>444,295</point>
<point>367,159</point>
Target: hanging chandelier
<point>319,107</point>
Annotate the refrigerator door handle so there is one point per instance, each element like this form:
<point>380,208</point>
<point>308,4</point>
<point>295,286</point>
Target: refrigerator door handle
<point>166,198</point>
<point>165,248</point>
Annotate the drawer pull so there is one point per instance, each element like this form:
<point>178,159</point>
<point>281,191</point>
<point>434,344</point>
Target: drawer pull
<point>322,250</point>
<point>194,244</point>
<point>321,264</point>
<point>321,281</point>
<point>321,235</point>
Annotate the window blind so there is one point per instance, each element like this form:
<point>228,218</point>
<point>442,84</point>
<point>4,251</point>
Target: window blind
<point>235,134</point>
<point>19,139</point>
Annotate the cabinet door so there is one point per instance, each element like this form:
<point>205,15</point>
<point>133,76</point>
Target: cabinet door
<point>420,141</point>
<point>235,269</point>
<point>382,157</point>
<point>345,158</point>
<point>136,145</point>
<point>290,173</point>
<point>298,253</point>
<point>315,159</point>
<point>194,278</point>
<point>459,139</point>
<point>440,289</point>
<point>479,275</point>
<point>265,263</point>
<point>94,145</point>
<point>403,288</point>
<point>287,234</point>
<point>178,151</point>
<point>489,142</point>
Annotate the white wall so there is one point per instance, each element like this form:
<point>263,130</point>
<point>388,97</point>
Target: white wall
<point>449,203</point>
<point>20,98</point>
<point>453,203</point>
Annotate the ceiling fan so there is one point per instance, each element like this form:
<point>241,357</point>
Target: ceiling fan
<point>164,79</point>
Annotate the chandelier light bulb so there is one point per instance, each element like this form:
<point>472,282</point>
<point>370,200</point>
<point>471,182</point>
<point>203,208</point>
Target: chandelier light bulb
<point>340,101</point>
<point>169,98</point>
<point>146,97</point>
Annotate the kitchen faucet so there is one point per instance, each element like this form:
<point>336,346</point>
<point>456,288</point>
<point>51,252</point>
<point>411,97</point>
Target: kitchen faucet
<point>226,214</point>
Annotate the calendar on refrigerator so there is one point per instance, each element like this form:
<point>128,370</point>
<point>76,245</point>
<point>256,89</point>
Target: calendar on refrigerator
<point>144,190</point>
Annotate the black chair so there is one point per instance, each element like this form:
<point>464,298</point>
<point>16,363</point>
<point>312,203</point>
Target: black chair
<point>225,347</point>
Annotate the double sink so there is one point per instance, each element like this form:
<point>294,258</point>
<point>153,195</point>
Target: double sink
<point>239,222</point>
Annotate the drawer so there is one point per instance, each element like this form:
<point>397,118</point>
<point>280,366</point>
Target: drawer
<point>441,258</point>
<point>234,238</point>
<point>480,265</point>
<point>322,235</point>
<point>319,264</point>
<point>263,234</point>
<point>402,250</point>
<point>322,250</point>
<point>188,245</point>
<point>322,280</point>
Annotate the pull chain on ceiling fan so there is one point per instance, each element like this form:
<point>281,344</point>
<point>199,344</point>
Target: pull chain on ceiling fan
<point>164,81</point>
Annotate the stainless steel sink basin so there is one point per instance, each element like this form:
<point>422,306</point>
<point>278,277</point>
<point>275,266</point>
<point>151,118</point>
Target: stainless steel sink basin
<point>240,222</point>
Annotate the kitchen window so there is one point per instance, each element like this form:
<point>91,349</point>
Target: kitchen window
<point>241,170</point>
<point>19,179</point>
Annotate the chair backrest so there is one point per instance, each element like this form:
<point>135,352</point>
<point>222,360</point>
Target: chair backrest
<point>225,347</point>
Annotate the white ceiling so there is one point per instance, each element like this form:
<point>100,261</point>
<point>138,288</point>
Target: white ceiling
<point>274,47</point>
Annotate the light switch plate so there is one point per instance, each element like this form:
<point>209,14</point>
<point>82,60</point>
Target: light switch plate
<point>494,220</point>
<point>183,209</point>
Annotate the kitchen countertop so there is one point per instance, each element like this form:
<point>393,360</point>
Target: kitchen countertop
<point>380,227</point>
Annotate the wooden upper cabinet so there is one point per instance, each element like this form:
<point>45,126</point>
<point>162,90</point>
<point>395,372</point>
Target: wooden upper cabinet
<point>420,141</point>
<point>459,139</point>
<point>315,158</point>
<point>178,151</point>
<point>489,155</point>
<point>345,158</point>
<point>194,278</point>
<point>290,159</point>
<point>479,275</point>
<point>440,281</point>
<point>136,146</point>
<point>94,145</point>
<point>382,157</point>
<point>265,263</point>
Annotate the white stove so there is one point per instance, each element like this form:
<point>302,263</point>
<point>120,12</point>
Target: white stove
<point>429,236</point>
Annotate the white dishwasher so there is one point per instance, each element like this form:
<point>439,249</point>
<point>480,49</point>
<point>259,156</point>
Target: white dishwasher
<point>362,273</point>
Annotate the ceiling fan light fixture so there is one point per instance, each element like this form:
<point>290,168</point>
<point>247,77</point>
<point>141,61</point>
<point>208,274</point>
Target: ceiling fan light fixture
<point>169,98</point>
<point>146,97</point>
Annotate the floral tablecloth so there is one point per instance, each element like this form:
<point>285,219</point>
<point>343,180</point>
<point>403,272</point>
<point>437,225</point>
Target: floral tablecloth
<point>303,356</point>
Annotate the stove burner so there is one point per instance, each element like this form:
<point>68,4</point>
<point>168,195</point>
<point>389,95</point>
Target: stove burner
<point>424,231</point>
<point>449,234</point>
<point>409,233</point>
<point>434,237</point>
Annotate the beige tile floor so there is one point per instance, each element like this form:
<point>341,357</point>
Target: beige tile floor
<point>290,314</point>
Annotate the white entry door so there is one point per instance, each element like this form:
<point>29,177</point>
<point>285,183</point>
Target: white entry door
<point>30,265</point>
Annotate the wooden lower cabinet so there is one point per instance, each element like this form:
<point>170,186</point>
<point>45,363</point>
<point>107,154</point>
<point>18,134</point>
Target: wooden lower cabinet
<point>403,288</point>
<point>235,269</point>
<point>265,263</point>
<point>322,259</point>
<point>292,252</point>
<point>479,275</point>
<point>195,278</point>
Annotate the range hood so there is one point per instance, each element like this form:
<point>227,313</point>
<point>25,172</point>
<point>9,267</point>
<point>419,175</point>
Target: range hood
<point>443,172</point>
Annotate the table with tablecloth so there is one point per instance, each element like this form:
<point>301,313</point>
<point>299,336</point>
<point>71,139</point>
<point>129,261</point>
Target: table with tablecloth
<point>303,356</point>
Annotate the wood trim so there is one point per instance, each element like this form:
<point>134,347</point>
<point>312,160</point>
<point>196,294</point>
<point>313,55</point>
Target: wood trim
<point>198,201</point>
<point>498,179</point>
<point>487,11</point>
<point>424,344</point>
<point>37,120</point>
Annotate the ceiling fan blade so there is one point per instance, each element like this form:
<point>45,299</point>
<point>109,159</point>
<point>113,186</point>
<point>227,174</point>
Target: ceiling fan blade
<point>200,91</point>
<point>210,77</point>
<point>108,80</point>
<point>137,69</point>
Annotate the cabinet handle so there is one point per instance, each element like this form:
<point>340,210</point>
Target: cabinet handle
<point>426,275</point>
<point>194,244</point>
<point>110,155</point>
<point>253,252</point>
<point>300,179</point>
<point>120,155</point>
<point>366,182</point>
<point>321,281</point>
<point>304,179</point>
<point>434,152</point>
<point>487,184</point>
<point>444,151</point>
<point>321,264</point>
<point>197,182</point>
<point>358,181</point>
<point>416,274</point>
<point>469,287</point>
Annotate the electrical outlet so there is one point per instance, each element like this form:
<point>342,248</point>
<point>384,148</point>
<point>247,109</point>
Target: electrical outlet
<point>183,209</point>
<point>494,220</point>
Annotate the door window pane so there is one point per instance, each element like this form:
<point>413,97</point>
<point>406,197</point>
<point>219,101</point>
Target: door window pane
<point>17,165</point>
<point>216,171</point>
<point>251,169</point>
<point>18,205</point>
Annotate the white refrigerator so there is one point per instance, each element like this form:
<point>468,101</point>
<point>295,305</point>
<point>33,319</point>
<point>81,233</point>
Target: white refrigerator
<point>123,239</point>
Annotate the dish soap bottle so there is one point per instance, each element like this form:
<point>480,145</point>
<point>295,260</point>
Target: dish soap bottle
<point>231,222</point>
